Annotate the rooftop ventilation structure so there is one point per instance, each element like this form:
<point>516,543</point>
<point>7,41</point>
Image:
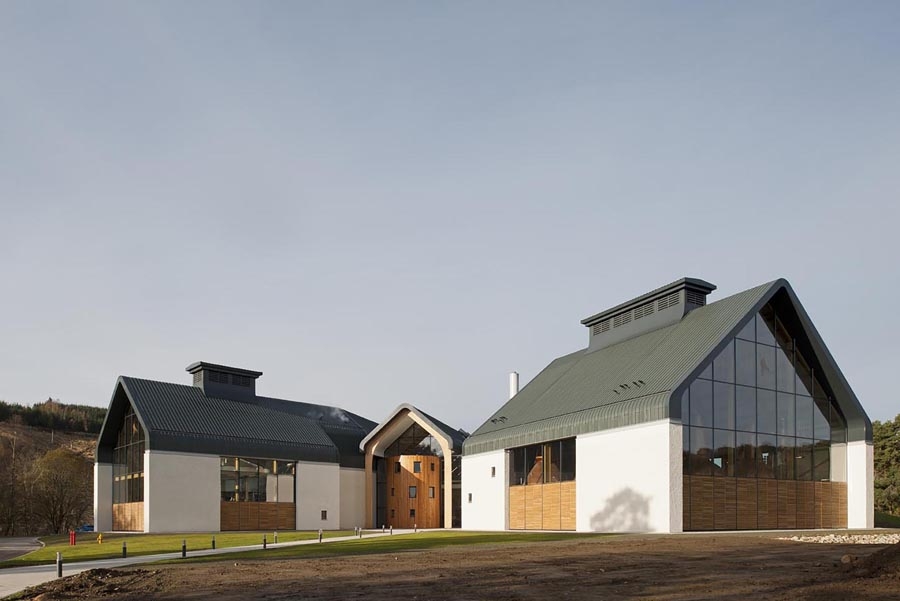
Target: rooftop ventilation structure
<point>223,382</point>
<point>656,309</point>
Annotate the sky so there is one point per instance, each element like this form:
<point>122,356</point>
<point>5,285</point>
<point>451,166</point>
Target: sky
<point>402,202</point>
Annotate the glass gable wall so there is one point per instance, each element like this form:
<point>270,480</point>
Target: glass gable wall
<point>759,411</point>
<point>128,461</point>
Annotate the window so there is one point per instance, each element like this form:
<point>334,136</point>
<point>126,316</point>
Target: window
<point>412,492</point>
<point>392,491</point>
<point>393,513</point>
<point>412,513</point>
<point>542,463</point>
<point>493,471</point>
<point>396,467</point>
<point>432,466</point>
<point>470,497</point>
<point>430,492</point>
<point>417,467</point>
<point>128,461</point>
<point>324,514</point>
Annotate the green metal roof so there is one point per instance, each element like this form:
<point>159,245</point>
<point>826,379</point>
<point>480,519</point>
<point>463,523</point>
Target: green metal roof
<point>633,381</point>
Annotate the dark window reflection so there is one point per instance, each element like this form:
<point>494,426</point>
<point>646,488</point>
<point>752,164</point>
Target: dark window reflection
<point>723,457</point>
<point>701,403</point>
<point>765,456</point>
<point>786,414</point>
<point>804,417</point>
<point>723,365</point>
<point>701,451</point>
<point>723,405</point>
<point>745,455</point>
<point>745,408</point>
<point>784,467</point>
<point>765,411</point>
<point>804,459</point>
<point>765,366</point>
<point>745,363</point>
<point>785,374</point>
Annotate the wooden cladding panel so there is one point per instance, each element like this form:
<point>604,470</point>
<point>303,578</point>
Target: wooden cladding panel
<point>247,515</point>
<point>128,517</point>
<point>702,503</point>
<point>534,498</point>
<point>747,503</point>
<point>725,496</point>
<point>517,507</point>
<point>767,498</point>
<point>747,506</point>
<point>787,504</point>
<point>542,506</point>
<point>567,505</point>
<point>427,509</point>
<point>550,510</point>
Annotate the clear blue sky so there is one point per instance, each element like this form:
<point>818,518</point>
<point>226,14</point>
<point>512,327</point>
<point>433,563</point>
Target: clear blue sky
<point>376,203</point>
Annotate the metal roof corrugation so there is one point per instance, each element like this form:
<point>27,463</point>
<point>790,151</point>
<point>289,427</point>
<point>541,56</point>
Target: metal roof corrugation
<point>624,384</point>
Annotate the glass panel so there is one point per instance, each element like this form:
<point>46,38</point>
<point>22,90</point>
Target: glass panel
<point>686,450</point>
<point>701,403</point>
<point>765,366</point>
<point>417,467</point>
<point>765,456</point>
<point>786,413</point>
<point>766,418</point>
<point>804,459</point>
<point>748,332</point>
<point>535,464</point>
<point>745,409</point>
<point>685,406</point>
<point>723,409</point>
<point>412,492</point>
<point>567,452</point>
<point>745,455</point>
<point>745,362</point>
<point>706,374</point>
<point>765,326</point>
<point>229,478</point>
<point>785,371</point>
<point>723,458</point>
<point>723,365</point>
<point>701,451</point>
<point>785,461</point>
<point>822,461</point>
<point>517,466</point>
<point>782,337</point>
<point>821,428</point>
<point>804,375</point>
<point>551,461</point>
<point>804,417</point>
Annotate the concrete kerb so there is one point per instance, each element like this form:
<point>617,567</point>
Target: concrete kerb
<point>14,580</point>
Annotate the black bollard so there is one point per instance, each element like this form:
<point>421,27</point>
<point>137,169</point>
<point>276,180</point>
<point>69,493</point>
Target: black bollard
<point>214,542</point>
<point>264,542</point>
<point>276,537</point>
<point>360,532</point>
<point>124,550</point>
<point>183,548</point>
<point>392,529</point>
<point>415,528</point>
<point>58,564</point>
<point>382,528</point>
<point>320,535</point>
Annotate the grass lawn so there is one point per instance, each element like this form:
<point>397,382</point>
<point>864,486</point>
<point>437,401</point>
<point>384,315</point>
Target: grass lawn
<point>398,543</point>
<point>886,520</point>
<point>147,544</point>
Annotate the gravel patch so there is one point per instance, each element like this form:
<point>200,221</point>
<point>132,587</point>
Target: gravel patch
<point>848,539</point>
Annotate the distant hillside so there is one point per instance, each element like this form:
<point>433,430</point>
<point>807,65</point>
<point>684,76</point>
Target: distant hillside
<point>53,415</point>
<point>34,430</point>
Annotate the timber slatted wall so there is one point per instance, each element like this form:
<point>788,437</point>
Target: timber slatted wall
<point>712,503</point>
<point>248,515</point>
<point>542,506</point>
<point>128,517</point>
<point>427,508</point>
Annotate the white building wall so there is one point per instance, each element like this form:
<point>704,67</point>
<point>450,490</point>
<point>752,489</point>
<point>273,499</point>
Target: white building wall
<point>102,497</point>
<point>629,479</point>
<point>860,485</point>
<point>318,489</point>
<point>181,492</point>
<point>353,497</point>
<point>488,506</point>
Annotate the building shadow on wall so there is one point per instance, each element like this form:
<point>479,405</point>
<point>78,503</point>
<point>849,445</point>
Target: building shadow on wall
<point>625,511</point>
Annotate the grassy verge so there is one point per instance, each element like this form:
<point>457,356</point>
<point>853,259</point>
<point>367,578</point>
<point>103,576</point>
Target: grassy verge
<point>148,544</point>
<point>886,520</point>
<point>399,543</point>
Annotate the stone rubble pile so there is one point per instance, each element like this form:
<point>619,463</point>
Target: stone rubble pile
<point>848,539</point>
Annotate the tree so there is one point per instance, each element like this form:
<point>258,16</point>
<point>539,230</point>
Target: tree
<point>886,439</point>
<point>60,490</point>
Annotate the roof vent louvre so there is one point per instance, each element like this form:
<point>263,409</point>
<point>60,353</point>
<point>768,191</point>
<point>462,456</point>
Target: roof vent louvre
<point>601,327</point>
<point>621,319</point>
<point>696,298</point>
<point>643,311</point>
<point>668,301</point>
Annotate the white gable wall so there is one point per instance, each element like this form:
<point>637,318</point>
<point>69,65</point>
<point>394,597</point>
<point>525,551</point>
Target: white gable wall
<point>181,492</point>
<point>488,507</point>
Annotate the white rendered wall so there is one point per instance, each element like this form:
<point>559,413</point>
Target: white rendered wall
<point>487,510</point>
<point>860,485</point>
<point>353,497</point>
<point>181,492</point>
<point>629,479</point>
<point>318,489</point>
<point>102,497</point>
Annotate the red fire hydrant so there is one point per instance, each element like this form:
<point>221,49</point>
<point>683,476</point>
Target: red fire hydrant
<point>72,536</point>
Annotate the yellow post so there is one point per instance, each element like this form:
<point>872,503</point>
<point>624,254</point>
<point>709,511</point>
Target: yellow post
<point>100,539</point>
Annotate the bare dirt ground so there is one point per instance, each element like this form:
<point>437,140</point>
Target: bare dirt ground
<point>725,567</point>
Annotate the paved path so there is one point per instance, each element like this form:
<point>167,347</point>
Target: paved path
<point>13,580</point>
<point>13,547</point>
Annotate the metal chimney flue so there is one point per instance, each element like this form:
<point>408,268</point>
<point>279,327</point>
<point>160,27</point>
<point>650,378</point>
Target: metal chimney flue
<point>513,384</point>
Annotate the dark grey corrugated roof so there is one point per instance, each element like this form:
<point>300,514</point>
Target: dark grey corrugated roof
<point>634,381</point>
<point>181,418</point>
<point>583,391</point>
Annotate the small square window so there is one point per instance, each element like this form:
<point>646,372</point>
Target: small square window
<point>412,492</point>
<point>396,467</point>
<point>430,492</point>
<point>412,513</point>
<point>392,513</point>
<point>432,466</point>
<point>392,491</point>
<point>493,471</point>
<point>470,497</point>
<point>417,467</point>
<point>324,514</point>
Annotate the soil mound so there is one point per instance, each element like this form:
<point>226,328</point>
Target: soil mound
<point>89,584</point>
<point>884,562</point>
